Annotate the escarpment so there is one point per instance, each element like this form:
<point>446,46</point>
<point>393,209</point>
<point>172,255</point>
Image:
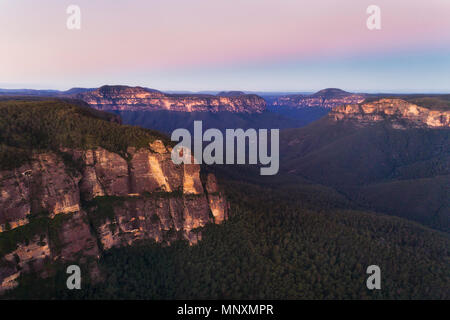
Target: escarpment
<point>73,204</point>
<point>399,113</point>
<point>143,99</point>
<point>327,98</point>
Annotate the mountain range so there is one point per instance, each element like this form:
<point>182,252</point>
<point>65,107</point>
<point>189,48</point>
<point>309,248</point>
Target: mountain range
<point>326,98</point>
<point>166,112</point>
<point>125,98</point>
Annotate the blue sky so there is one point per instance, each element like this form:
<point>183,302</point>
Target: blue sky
<point>254,45</point>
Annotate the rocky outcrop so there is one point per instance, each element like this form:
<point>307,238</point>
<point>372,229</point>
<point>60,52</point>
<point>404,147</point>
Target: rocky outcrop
<point>72,210</point>
<point>25,258</point>
<point>216,200</point>
<point>327,98</point>
<point>143,99</point>
<point>45,184</point>
<point>163,218</point>
<point>399,113</point>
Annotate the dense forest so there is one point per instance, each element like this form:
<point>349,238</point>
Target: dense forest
<point>294,243</point>
<point>401,172</point>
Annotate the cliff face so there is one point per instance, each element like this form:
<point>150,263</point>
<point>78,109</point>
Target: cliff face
<point>399,113</point>
<point>72,208</point>
<point>143,99</point>
<point>327,98</point>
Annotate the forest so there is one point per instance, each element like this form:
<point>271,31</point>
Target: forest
<point>301,242</point>
<point>33,124</point>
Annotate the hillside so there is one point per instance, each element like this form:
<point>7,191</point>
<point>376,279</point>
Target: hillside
<point>397,112</point>
<point>28,124</point>
<point>432,101</point>
<point>279,243</point>
<point>326,98</point>
<point>74,184</point>
<point>383,154</point>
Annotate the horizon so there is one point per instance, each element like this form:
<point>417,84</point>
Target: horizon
<point>215,91</point>
<point>265,45</point>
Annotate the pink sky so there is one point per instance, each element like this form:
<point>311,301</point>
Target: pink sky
<point>124,38</point>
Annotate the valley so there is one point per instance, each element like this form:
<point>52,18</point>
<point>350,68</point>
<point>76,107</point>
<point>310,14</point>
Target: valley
<point>366,183</point>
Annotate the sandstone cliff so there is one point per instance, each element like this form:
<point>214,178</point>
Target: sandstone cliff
<point>399,113</point>
<point>327,98</point>
<point>72,205</point>
<point>144,99</point>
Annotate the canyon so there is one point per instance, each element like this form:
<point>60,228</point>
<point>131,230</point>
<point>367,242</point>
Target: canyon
<point>77,187</point>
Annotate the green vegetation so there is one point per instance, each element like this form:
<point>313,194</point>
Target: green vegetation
<point>441,102</point>
<point>157,194</point>
<point>430,101</point>
<point>28,125</point>
<point>400,172</point>
<point>278,244</point>
<point>39,225</point>
<point>25,234</point>
<point>103,209</point>
<point>288,237</point>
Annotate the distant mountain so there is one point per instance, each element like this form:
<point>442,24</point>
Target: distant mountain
<point>143,99</point>
<point>76,91</point>
<point>28,92</point>
<point>125,98</point>
<point>389,155</point>
<point>168,111</point>
<point>399,113</point>
<point>326,98</point>
<point>230,93</point>
<point>331,93</point>
<point>227,109</point>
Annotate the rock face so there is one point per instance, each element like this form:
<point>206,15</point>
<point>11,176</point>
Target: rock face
<point>143,99</point>
<point>43,185</point>
<point>399,113</point>
<point>327,98</point>
<point>72,210</point>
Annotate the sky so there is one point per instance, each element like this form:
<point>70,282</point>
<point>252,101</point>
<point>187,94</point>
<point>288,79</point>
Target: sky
<point>253,45</point>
